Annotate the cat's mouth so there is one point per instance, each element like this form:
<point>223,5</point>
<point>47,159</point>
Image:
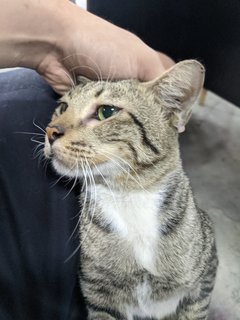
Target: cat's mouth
<point>81,163</point>
<point>65,169</point>
<point>67,165</point>
<point>64,165</point>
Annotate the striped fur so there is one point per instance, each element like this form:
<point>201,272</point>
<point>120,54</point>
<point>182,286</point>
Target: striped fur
<point>147,250</point>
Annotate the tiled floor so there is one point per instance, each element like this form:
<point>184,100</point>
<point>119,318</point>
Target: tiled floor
<point>211,157</point>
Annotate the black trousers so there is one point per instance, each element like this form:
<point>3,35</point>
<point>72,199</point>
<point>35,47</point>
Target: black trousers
<point>36,221</point>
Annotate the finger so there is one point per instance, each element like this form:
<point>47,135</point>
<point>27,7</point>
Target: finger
<point>59,79</point>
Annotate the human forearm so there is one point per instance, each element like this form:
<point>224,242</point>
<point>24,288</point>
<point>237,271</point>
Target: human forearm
<point>29,30</point>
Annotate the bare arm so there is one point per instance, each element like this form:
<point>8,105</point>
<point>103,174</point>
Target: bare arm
<point>59,39</point>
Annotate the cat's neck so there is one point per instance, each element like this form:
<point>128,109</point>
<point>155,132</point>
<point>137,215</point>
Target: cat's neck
<point>133,217</point>
<point>136,216</point>
<point>146,179</point>
<point>123,207</point>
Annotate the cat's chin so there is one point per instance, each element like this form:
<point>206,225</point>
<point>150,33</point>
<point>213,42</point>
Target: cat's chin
<point>107,169</point>
<point>63,170</point>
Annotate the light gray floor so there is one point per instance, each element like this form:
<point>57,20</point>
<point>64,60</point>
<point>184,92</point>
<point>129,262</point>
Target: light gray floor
<point>211,158</point>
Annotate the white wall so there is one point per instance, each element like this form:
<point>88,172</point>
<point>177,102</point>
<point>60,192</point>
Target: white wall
<point>82,3</point>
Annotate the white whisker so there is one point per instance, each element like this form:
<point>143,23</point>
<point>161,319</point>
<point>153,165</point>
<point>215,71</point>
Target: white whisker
<point>95,202</point>
<point>63,176</point>
<point>31,133</point>
<point>36,150</point>
<point>105,180</point>
<point>38,142</point>
<point>37,126</point>
<point>123,169</point>
<point>89,58</point>
<point>73,81</point>
<point>82,212</point>
<point>84,66</point>
<point>75,180</point>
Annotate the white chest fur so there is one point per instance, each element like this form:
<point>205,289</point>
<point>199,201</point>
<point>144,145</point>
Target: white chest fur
<point>134,216</point>
<point>152,309</point>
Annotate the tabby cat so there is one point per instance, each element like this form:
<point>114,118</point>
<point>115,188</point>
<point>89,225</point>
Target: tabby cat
<point>147,251</point>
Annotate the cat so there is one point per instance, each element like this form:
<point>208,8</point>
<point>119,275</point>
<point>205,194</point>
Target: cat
<point>147,250</point>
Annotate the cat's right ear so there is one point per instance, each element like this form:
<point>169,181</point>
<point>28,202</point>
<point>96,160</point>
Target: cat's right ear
<point>177,89</point>
<point>82,81</point>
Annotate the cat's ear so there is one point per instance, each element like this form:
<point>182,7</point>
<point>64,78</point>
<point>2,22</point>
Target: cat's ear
<point>177,90</point>
<point>82,81</point>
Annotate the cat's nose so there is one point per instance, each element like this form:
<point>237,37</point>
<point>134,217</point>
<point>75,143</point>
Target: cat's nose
<point>54,133</point>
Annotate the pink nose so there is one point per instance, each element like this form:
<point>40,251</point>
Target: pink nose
<point>54,133</point>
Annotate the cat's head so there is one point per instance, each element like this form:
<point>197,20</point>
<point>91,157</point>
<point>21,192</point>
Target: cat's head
<point>123,128</point>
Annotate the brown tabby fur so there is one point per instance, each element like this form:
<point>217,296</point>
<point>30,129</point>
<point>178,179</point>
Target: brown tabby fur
<point>146,249</point>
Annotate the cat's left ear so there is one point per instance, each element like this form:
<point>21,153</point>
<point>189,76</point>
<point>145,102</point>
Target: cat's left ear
<point>177,90</point>
<point>82,81</point>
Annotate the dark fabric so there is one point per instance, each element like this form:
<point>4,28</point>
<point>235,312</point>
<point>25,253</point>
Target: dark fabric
<point>35,220</point>
<point>205,30</point>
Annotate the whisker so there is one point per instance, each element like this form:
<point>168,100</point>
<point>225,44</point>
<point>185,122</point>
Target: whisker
<point>74,183</point>
<point>62,176</point>
<point>105,180</point>
<point>45,165</point>
<point>85,66</point>
<point>113,75</point>
<point>41,158</point>
<point>37,147</point>
<point>38,142</point>
<point>89,58</point>
<point>84,174</point>
<point>31,133</point>
<point>84,203</point>
<point>72,254</point>
<point>37,126</point>
<point>39,152</point>
<point>95,202</point>
<point>84,186</point>
<point>73,81</point>
<point>109,73</point>
<point>147,157</point>
<point>125,162</point>
<point>125,170</point>
<point>80,217</point>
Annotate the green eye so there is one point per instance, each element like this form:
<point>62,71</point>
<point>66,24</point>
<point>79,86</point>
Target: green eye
<point>105,111</point>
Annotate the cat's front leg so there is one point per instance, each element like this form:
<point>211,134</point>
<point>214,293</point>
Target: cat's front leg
<point>193,309</point>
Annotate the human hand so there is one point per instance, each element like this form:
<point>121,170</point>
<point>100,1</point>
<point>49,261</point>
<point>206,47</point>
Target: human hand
<point>73,42</point>
<point>95,48</point>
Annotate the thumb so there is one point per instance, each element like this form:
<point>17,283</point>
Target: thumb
<point>59,79</point>
<point>57,76</point>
